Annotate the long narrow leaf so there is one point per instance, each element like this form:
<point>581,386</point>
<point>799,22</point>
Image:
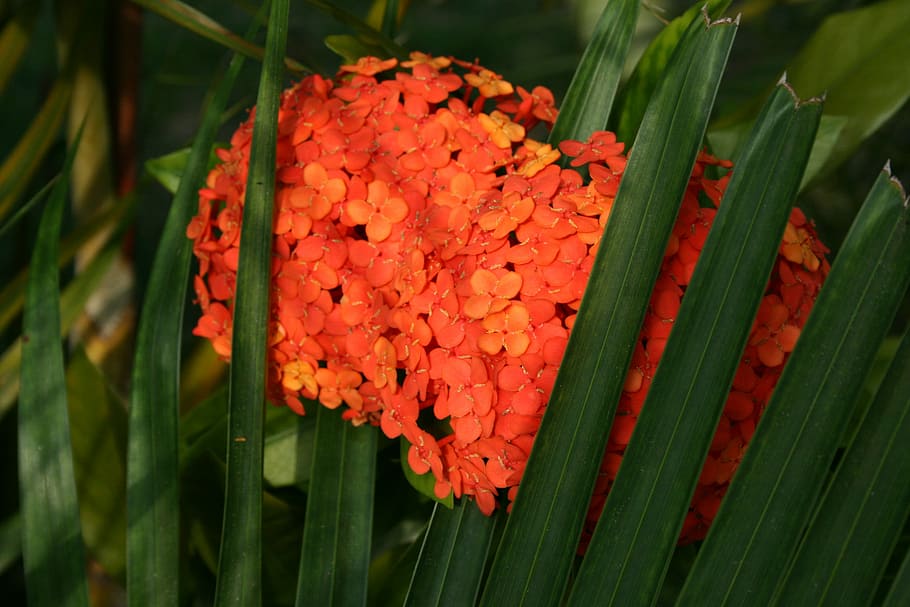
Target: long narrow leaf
<point>198,22</point>
<point>12,296</point>
<point>589,98</point>
<point>452,557</point>
<point>859,520</point>
<point>770,499</point>
<point>532,566</point>
<point>335,557</point>
<point>14,39</point>
<point>363,29</point>
<point>18,168</point>
<point>52,548</point>
<point>899,594</point>
<point>239,563</point>
<point>152,471</point>
<point>72,303</point>
<point>648,501</point>
<point>637,92</point>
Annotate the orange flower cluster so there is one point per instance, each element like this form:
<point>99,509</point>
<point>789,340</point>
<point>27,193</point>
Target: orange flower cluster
<point>429,259</point>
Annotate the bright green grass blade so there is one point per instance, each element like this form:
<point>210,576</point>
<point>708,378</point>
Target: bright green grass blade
<point>335,557</point>
<point>640,524</point>
<point>541,535</point>
<point>72,304</point>
<point>152,471</point>
<point>240,559</point>
<point>855,529</point>
<point>19,166</point>
<point>899,594</point>
<point>52,549</point>
<point>198,22</point>
<point>14,39</point>
<point>769,501</point>
<point>452,557</point>
<point>587,103</point>
<point>637,92</point>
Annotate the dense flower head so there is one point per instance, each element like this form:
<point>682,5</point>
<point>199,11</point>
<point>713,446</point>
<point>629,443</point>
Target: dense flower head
<point>429,258</point>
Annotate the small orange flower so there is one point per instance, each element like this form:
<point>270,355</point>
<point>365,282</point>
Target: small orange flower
<point>429,260</point>
<point>489,84</point>
<point>370,66</point>
<point>379,212</point>
<point>503,132</point>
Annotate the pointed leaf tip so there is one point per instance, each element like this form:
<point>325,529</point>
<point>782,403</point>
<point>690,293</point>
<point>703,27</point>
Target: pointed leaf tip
<point>897,182</point>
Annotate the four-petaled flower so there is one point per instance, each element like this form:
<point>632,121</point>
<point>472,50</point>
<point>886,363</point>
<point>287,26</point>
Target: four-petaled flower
<point>429,261</point>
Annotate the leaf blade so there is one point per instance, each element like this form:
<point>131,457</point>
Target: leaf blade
<point>859,520</point>
<point>335,556</point>
<point>649,499</point>
<point>588,100</point>
<point>240,559</point>
<point>452,557</point>
<point>539,538</point>
<point>52,548</point>
<point>783,470</point>
<point>152,453</point>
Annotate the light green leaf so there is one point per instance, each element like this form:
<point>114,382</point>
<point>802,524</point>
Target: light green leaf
<point>856,57</point>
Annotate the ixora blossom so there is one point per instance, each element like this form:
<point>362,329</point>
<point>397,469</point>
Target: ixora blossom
<point>429,258</point>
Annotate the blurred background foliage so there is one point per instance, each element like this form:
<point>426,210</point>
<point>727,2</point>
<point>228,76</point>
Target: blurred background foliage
<point>142,80</point>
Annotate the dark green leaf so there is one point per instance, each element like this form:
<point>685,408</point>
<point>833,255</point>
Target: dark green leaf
<point>899,594</point>
<point>198,22</point>
<point>770,499</point>
<point>452,557</point>
<point>52,549</point>
<point>10,541</point>
<point>587,103</point>
<point>72,304</point>
<point>240,558</point>
<point>335,557</point>
<point>14,39</point>
<point>633,101</point>
<point>389,19</point>
<point>860,517</point>
<point>361,28</point>
<point>649,499</point>
<point>22,162</point>
<point>532,566</point>
<point>152,481</point>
